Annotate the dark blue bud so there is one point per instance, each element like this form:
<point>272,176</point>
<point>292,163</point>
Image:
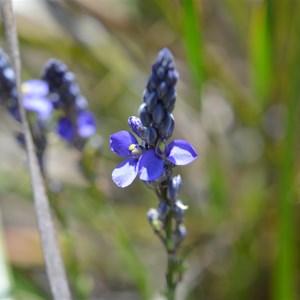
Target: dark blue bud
<point>169,98</point>
<point>180,233</point>
<point>144,115</point>
<point>136,126</point>
<point>167,128</point>
<point>74,90</point>
<point>150,135</point>
<point>68,77</point>
<point>55,99</point>
<point>151,83</point>
<point>160,73</point>
<point>172,77</point>
<point>163,210</point>
<point>170,107</point>
<point>165,57</point>
<point>81,103</point>
<point>150,99</point>
<point>153,219</point>
<point>158,114</point>
<point>162,90</point>
<point>54,67</point>
<point>152,215</point>
<point>178,211</point>
<point>171,65</point>
<point>174,187</point>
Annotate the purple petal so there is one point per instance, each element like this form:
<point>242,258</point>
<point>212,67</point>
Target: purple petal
<point>41,105</point>
<point>150,166</point>
<point>35,87</point>
<point>181,153</point>
<point>65,129</point>
<point>86,124</point>
<point>120,142</point>
<point>124,174</point>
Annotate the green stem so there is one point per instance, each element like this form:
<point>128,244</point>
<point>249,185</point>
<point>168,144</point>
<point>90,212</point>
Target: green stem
<point>172,260</point>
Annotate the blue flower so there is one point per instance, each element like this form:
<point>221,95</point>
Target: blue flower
<point>84,128</point>
<point>147,164</point>
<point>34,98</point>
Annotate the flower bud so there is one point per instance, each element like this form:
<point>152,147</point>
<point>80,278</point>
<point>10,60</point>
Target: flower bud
<point>144,115</point>
<point>169,100</point>
<point>174,187</point>
<point>150,99</point>
<point>162,90</point>
<point>150,135</point>
<point>158,114</point>
<point>153,219</point>
<point>151,84</point>
<point>180,233</point>
<point>179,210</point>
<point>136,126</point>
<point>167,128</point>
<point>163,209</point>
<point>172,77</point>
<point>81,103</point>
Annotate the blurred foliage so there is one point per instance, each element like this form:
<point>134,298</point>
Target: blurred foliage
<point>238,98</point>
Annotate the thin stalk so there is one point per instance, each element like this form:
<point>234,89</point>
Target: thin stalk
<point>54,264</point>
<point>173,275</point>
<point>171,267</point>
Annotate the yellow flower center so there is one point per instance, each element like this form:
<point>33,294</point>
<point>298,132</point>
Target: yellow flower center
<point>132,147</point>
<point>135,150</point>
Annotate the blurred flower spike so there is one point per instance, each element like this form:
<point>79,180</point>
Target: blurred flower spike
<point>147,164</point>
<point>36,99</point>
<point>76,123</point>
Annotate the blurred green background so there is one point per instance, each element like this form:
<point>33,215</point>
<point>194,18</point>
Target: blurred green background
<point>238,96</point>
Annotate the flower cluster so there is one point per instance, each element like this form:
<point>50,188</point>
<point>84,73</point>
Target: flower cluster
<point>152,159</point>
<point>57,91</point>
<point>75,123</point>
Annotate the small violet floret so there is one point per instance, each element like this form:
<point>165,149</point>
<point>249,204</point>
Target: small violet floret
<point>85,126</point>
<point>147,164</point>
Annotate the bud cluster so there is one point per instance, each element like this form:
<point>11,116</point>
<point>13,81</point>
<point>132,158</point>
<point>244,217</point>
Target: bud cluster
<point>159,99</point>
<point>173,207</point>
<point>62,83</point>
